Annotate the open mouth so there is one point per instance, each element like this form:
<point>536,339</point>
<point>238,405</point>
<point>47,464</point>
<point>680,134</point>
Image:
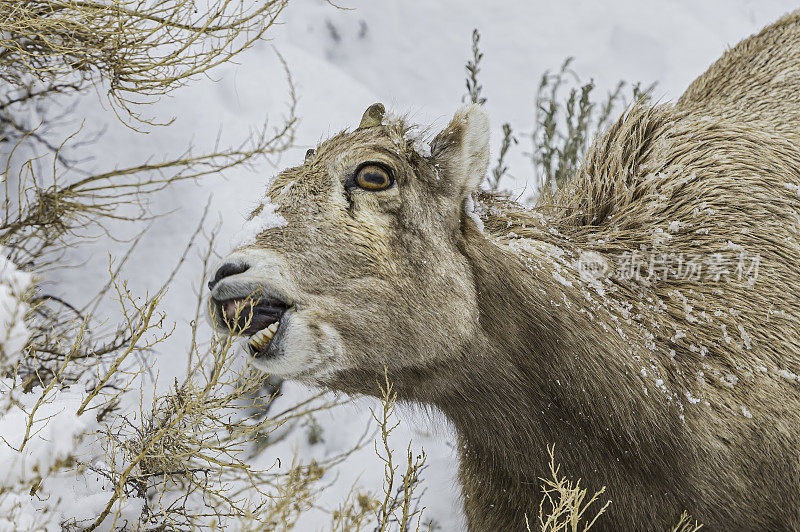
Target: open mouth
<point>257,319</point>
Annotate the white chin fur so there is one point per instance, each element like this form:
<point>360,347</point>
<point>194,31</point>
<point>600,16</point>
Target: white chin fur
<point>304,356</point>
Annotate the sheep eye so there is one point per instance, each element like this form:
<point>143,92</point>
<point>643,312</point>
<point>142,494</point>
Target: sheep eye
<point>373,177</point>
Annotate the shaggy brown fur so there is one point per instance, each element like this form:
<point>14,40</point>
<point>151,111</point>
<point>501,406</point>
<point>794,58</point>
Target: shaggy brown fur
<point>677,393</point>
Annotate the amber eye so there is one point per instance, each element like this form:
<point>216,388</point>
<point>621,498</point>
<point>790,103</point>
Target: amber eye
<point>373,177</point>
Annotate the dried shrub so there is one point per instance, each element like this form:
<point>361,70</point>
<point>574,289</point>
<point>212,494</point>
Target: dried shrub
<point>187,456</point>
<point>473,68</point>
<point>140,49</point>
<point>686,524</point>
<point>564,129</point>
<point>564,504</point>
<point>401,501</point>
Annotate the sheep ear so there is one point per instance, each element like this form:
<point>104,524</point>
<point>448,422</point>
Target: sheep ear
<point>373,116</point>
<point>462,149</point>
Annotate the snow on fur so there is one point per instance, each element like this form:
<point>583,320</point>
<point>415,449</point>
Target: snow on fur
<point>265,218</point>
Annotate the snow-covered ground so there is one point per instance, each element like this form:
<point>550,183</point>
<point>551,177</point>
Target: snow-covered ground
<point>409,55</point>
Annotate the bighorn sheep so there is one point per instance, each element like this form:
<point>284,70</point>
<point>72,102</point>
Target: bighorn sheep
<point>645,319</point>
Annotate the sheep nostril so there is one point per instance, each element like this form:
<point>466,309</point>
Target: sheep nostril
<point>226,270</point>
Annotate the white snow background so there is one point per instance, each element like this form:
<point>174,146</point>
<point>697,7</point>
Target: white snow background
<point>409,55</point>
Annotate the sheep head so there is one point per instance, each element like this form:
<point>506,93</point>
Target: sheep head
<point>353,260</point>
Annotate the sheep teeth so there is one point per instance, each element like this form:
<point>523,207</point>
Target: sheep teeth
<point>260,340</point>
